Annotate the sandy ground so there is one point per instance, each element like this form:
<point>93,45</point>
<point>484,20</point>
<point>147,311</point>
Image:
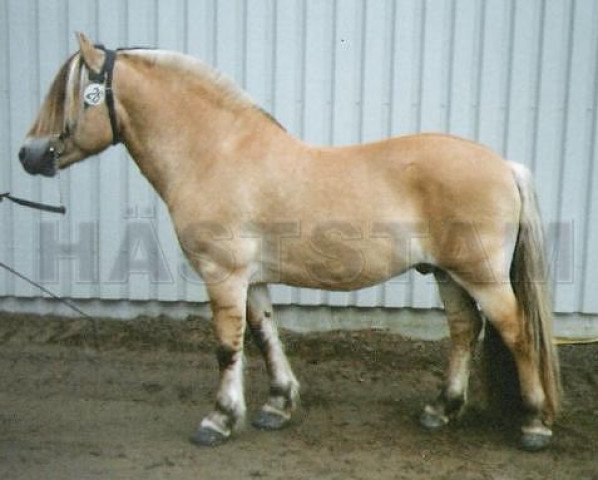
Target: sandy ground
<point>127,410</point>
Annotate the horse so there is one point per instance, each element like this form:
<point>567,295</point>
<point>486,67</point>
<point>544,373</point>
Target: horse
<point>253,205</point>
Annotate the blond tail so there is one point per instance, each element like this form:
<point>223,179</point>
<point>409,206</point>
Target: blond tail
<point>529,277</point>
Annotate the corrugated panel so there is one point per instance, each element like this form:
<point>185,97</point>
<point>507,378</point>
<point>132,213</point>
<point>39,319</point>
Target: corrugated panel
<point>521,77</point>
<point>5,150</point>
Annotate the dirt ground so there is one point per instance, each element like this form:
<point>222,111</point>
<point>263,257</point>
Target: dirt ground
<point>127,410</point>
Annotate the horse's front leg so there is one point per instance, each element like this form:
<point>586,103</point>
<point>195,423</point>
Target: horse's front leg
<point>284,387</point>
<point>228,301</point>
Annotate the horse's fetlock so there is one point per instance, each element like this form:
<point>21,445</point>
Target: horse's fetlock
<point>433,418</point>
<point>534,404</point>
<point>284,397</point>
<point>451,403</point>
<point>231,416</point>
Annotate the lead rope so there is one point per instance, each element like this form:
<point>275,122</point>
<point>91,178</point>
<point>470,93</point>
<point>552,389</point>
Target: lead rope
<point>92,320</point>
<point>62,210</point>
<point>61,195</point>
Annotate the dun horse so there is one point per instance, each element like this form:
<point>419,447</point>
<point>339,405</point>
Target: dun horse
<point>252,205</point>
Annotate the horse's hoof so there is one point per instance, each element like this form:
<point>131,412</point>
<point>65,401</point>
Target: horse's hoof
<point>265,420</point>
<point>534,442</point>
<point>208,437</point>
<point>431,420</point>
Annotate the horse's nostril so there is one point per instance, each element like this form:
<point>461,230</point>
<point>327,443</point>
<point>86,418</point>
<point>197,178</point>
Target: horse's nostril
<point>22,154</point>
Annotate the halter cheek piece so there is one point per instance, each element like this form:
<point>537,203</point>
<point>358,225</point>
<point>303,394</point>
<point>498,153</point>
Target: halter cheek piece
<point>104,78</point>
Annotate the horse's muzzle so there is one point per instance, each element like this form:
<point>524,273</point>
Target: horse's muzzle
<point>37,157</point>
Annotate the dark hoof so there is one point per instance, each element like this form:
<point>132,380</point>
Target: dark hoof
<point>206,437</point>
<point>534,442</point>
<point>431,421</point>
<point>269,421</point>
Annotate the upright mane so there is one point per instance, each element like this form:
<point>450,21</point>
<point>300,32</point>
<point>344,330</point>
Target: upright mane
<point>218,87</point>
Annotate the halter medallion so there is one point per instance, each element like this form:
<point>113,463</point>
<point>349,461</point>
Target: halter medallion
<point>94,94</point>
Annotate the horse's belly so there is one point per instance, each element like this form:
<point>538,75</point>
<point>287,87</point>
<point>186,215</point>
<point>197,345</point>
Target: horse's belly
<point>335,261</point>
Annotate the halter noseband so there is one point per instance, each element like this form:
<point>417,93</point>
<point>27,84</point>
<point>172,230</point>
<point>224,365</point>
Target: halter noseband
<point>105,77</point>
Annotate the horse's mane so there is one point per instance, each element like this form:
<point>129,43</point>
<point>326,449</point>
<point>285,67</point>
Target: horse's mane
<point>218,86</point>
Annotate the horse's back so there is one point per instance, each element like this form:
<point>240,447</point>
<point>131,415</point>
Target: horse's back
<point>444,175</point>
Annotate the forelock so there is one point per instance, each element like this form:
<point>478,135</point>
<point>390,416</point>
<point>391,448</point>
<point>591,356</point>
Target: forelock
<point>50,119</point>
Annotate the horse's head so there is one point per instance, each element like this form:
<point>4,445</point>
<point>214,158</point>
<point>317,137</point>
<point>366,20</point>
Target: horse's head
<point>75,119</point>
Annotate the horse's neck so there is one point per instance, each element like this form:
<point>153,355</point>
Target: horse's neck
<point>173,133</point>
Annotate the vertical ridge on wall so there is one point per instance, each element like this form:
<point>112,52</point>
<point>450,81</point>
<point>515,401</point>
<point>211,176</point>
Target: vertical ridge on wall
<point>82,180</point>
<point>431,80</point>
<point>508,77</point>
<point>575,153</point>
<point>123,264</point>
<point>562,149</point>
<point>589,300</point>
<point>169,14</point>
<point>6,280</point>
<point>317,57</point>
<point>343,89</point>
<point>521,112</point>
<point>140,31</point>
<point>397,291</point>
<point>371,111</point>
<point>521,77</point>
<point>541,13</point>
<point>553,57</point>
<point>22,74</point>
<point>112,207</point>
<point>96,195</point>
<point>283,85</point>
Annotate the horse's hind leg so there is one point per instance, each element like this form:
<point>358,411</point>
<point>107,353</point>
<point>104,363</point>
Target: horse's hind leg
<point>499,304</point>
<point>465,323</point>
<point>284,387</point>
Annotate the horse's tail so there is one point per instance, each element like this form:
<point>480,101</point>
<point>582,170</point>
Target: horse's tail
<point>529,278</point>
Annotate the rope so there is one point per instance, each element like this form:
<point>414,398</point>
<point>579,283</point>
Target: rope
<point>30,204</point>
<point>575,341</point>
<point>93,321</point>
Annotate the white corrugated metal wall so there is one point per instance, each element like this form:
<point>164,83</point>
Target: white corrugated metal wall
<point>519,76</point>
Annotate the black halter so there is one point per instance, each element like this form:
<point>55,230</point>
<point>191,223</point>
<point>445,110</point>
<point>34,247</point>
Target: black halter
<point>104,76</point>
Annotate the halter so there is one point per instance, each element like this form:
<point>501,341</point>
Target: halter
<point>104,77</point>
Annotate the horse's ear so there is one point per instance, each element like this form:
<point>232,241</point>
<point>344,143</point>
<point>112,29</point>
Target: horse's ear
<point>92,57</point>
